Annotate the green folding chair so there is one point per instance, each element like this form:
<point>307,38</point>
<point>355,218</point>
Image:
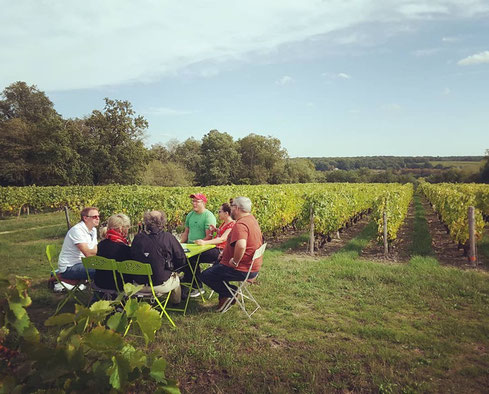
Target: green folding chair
<point>132,267</point>
<point>102,264</point>
<point>71,293</point>
<point>242,292</point>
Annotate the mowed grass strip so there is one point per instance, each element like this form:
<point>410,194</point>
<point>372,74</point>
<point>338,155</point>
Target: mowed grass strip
<point>23,243</point>
<point>421,245</point>
<point>326,325</point>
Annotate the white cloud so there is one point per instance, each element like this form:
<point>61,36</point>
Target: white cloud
<point>63,45</point>
<point>344,76</point>
<point>418,10</point>
<point>392,107</point>
<point>478,58</point>
<point>450,39</point>
<point>333,76</point>
<point>285,80</point>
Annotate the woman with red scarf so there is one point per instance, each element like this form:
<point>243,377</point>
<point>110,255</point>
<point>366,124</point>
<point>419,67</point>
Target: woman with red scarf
<point>114,246</point>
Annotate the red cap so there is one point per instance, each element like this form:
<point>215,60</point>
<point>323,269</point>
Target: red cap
<point>199,196</point>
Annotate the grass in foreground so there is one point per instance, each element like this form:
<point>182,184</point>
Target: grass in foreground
<point>334,324</point>
<point>341,324</point>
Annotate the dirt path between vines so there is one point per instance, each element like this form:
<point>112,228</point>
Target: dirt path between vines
<point>445,250</point>
<point>400,251</point>
<point>346,235</point>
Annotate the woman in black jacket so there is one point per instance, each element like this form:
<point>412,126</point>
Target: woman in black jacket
<point>165,254</point>
<point>114,246</point>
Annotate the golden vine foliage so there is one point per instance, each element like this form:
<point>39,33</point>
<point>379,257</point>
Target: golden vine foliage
<point>275,206</point>
<point>451,202</point>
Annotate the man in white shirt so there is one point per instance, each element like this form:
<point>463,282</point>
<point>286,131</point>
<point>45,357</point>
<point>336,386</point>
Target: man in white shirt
<point>80,241</point>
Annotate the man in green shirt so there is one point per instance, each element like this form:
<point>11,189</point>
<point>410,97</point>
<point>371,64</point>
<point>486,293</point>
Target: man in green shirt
<point>197,225</point>
<point>198,220</point>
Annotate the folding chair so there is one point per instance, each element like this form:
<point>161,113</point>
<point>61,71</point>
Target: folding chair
<point>70,292</point>
<point>102,264</point>
<point>242,293</point>
<point>133,267</point>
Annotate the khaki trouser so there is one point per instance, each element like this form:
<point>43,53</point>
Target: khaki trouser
<point>173,283</point>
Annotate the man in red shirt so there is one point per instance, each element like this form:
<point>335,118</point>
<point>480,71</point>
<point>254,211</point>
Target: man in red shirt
<point>245,238</point>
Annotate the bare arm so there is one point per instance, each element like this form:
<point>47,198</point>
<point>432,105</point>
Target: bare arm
<point>239,251</point>
<point>86,250</point>
<point>214,241</point>
<point>184,236</point>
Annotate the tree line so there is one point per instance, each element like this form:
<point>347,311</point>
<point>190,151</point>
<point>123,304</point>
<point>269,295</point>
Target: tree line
<point>386,162</point>
<point>41,147</point>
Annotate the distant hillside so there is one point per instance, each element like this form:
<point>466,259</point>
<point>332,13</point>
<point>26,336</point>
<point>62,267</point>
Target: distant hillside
<point>395,162</point>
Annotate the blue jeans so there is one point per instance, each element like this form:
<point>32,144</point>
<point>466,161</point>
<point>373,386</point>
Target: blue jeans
<point>77,271</point>
<point>218,273</point>
<point>209,256</point>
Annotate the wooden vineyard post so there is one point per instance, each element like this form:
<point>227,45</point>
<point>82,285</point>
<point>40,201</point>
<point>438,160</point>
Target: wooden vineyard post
<point>472,252</point>
<point>67,217</point>
<point>386,244</point>
<point>311,232</point>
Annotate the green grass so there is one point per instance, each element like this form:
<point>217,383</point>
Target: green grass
<point>421,245</point>
<point>23,242</point>
<point>332,324</point>
<point>483,246</point>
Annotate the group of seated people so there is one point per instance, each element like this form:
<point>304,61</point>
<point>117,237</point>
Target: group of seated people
<point>236,240</point>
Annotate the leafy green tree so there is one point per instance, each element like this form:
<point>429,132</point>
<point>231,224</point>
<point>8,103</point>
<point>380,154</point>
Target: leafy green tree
<point>189,154</point>
<point>484,173</point>
<point>342,176</point>
<point>25,102</point>
<point>160,152</point>
<point>262,159</point>
<point>80,164</point>
<point>35,144</point>
<point>300,171</point>
<point>14,165</point>
<point>116,134</point>
<point>220,159</point>
<point>166,174</point>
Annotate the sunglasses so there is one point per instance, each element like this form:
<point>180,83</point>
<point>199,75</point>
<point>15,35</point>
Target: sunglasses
<point>94,216</point>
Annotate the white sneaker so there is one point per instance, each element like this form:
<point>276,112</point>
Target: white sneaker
<point>67,285</point>
<point>58,287</point>
<point>197,292</point>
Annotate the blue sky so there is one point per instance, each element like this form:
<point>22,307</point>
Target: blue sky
<point>328,78</point>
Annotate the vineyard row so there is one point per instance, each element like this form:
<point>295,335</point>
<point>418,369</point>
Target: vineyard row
<point>275,206</point>
<point>451,202</point>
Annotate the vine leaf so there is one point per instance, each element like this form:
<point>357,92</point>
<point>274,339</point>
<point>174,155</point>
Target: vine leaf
<point>104,340</point>
<point>137,358</point>
<point>60,320</point>
<point>158,370</point>
<point>117,322</point>
<point>118,372</point>
<point>149,321</point>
